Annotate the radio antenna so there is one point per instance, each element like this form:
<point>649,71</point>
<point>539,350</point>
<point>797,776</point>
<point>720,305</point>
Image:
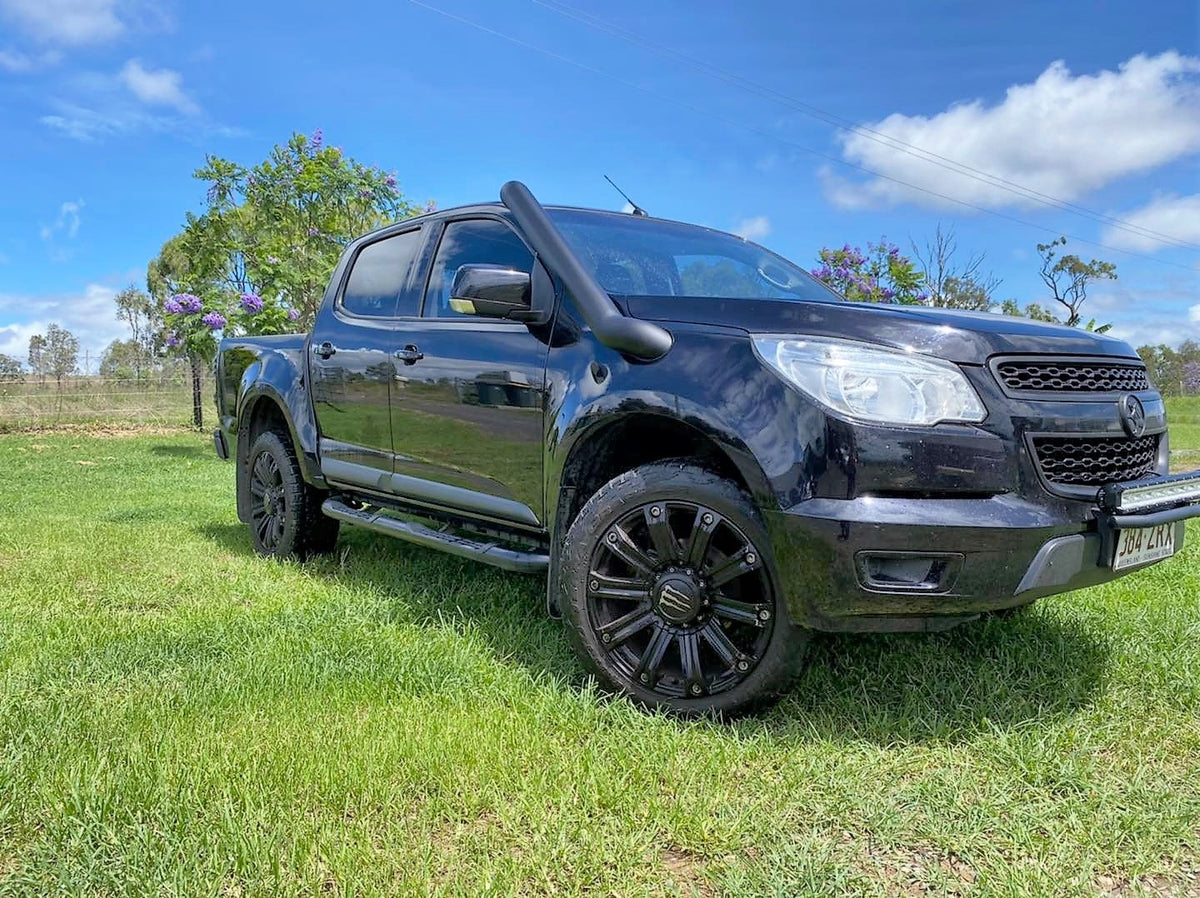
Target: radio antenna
<point>637,210</point>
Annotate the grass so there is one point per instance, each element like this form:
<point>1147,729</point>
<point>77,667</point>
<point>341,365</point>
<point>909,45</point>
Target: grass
<point>178,716</point>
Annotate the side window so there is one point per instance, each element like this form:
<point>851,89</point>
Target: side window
<point>378,282</point>
<point>478,242</point>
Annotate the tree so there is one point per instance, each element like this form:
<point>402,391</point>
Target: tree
<point>123,360</point>
<point>37,357</point>
<point>952,285</point>
<point>10,369</point>
<point>1033,311</point>
<point>1067,277</point>
<point>144,318</point>
<point>277,229</point>
<point>61,352</point>
<point>1191,377</point>
<point>882,274</point>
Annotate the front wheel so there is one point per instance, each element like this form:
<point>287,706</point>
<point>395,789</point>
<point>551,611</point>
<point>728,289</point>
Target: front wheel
<point>285,512</point>
<point>670,595</point>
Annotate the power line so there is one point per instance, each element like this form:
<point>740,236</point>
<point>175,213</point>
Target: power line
<point>880,137</point>
<point>775,137</point>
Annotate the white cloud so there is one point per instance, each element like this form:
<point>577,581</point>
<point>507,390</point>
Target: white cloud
<point>157,87</point>
<point>1194,314</point>
<point>1062,135</point>
<point>67,22</point>
<point>67,223</point>
<point>91,315</point>
<point>1173,216</point>
<point>755,228</point>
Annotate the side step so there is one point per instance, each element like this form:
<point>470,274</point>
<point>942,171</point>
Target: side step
<point>489,553</point>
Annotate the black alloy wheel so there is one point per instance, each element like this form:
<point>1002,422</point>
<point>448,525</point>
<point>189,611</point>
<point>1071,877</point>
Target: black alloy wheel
<point>268,501</point>
<point>668,594</point>
<point>679,597</point>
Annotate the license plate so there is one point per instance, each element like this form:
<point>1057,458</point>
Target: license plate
<point>1143,545</point>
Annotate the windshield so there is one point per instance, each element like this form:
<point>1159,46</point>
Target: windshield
<point>634,256</point>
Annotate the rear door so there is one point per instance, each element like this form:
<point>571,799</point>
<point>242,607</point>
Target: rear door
<point>469,391</point>
<point>350,358</point>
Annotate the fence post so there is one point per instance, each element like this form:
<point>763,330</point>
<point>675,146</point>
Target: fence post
<point>197,403</point>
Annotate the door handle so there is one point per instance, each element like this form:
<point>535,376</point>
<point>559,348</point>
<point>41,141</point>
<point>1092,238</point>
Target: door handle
<point>410,355</point>
<point>324,351</point>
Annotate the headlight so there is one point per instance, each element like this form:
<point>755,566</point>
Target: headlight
<point>873,384</point>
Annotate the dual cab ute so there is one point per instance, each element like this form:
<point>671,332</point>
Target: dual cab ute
<point>706,452</point>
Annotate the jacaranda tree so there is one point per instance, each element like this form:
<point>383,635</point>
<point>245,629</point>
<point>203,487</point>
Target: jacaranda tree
<point>258,258</point>
<point>881,274</point>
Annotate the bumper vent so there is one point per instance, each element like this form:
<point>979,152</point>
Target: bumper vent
<point>1091,462</point>
<point>1046,376</point>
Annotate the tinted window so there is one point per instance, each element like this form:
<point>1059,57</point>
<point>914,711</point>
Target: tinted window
<point>479,242</point>
<point>379,278</point>
<point>648,257</point>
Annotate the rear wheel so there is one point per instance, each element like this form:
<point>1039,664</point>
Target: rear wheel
<point>670,595</point>
<point>285,512</point>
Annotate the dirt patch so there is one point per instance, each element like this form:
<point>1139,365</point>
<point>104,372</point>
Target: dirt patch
<point>100,430</point>
<point>685,871</point>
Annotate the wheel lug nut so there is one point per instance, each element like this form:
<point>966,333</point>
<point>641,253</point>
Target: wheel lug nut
<point>743,666</point>
<point>751,558</point>
<point>595,584</point>
<point>612,537</point>
<point>697,689</point>
<point>707,518</point>
<point>764,614</point>
<point>607,637</point>
<point>645,678</point>
<point>655,511</point>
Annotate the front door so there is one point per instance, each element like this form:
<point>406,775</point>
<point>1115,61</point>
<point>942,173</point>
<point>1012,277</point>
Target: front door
<point>350,360</point>
<point>469,391</point>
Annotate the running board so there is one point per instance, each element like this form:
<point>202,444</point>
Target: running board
<point>489,553</point>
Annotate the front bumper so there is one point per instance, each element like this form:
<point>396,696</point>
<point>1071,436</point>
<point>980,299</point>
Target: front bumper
<point>980,554</point>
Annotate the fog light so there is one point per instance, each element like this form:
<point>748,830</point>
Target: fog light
<point>908,571</point>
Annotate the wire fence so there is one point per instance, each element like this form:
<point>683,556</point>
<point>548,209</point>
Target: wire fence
<point>157,397</point>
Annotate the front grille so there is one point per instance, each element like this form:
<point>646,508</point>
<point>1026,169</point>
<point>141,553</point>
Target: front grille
<point>1091,462</point>
<point>1045,376</point>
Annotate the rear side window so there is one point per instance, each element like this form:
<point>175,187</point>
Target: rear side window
<point>481,241</point>
<point>378,283</point>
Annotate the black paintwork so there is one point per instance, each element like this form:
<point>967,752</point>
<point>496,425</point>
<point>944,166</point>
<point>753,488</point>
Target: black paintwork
<point>502,424</point>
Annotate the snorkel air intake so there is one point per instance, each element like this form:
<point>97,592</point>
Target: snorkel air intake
<point>640,339</point>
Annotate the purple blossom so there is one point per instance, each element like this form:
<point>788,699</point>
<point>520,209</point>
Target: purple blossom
<point>293,314</point>
<point>888,294</point>
<point>172,306</point>
<point>173,340</point>
<point>390,181</point>
<point>430,206</point>
<point>272,260</point>
<point>251,180</point>
<point>214,321</point>
<point>251,302</point>
<point>188,302</point>
<point>1191,376</point>
<point>318,138</point>
<point>842,272</point>
<point>364,193</point>
<point>314,232</point>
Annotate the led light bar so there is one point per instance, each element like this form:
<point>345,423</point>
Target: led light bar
<point>1181,489</point>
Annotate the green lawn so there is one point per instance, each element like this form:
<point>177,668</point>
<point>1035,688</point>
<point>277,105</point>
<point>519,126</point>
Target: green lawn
<point>178,716</point>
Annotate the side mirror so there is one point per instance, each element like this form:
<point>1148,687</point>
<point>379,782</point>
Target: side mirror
<point>492,291</point>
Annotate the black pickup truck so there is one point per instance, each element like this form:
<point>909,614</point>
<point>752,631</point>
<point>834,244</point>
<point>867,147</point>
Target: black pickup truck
<point>706,452</point>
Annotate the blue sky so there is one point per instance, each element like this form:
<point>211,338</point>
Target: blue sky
<point>700,110</point>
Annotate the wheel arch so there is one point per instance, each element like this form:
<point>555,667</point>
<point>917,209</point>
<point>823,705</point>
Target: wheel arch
<point>595,453</point>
